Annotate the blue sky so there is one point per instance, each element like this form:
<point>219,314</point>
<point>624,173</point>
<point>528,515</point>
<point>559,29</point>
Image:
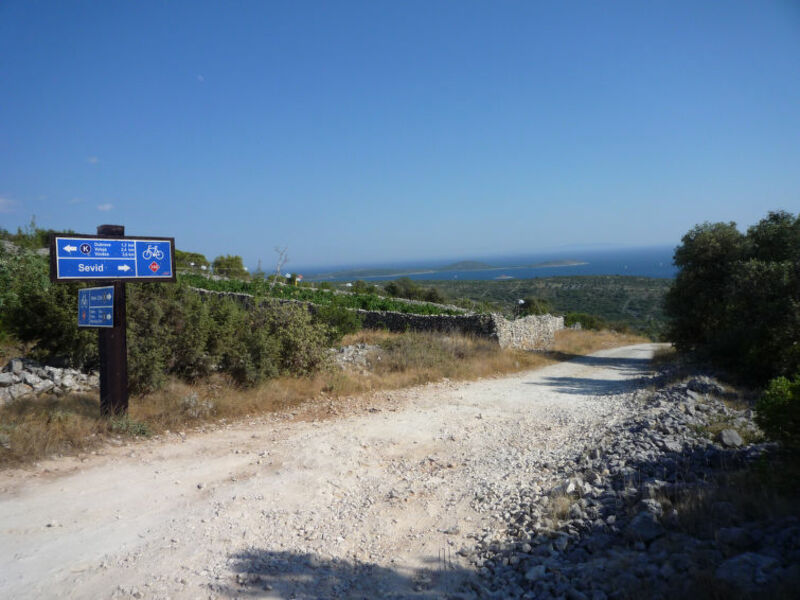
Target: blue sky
<point>361,132</point>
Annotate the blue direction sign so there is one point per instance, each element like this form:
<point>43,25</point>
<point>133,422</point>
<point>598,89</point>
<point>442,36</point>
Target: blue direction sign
<point>96,307</point>
<point>89,257</point>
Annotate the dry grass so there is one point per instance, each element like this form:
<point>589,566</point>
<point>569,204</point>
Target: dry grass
<point>559,506</point>
<point>31,430</point>
<point>581,342</point>
<point>664,356</point>
<point>767,490</point>
<point>10,348</point>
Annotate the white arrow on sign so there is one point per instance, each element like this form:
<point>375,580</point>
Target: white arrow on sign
<point>70,248</point>
<point>123,268</point>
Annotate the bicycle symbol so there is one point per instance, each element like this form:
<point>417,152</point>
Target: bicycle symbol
<point>152,251</point>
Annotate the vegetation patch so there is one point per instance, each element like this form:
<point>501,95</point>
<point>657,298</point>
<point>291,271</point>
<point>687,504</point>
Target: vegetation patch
<point>34,429</point>
<point>736,298</point>
<point>624,303</point>
<point>323,297</point>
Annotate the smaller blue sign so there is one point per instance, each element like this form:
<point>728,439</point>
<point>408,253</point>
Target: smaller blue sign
<point>96,307</point>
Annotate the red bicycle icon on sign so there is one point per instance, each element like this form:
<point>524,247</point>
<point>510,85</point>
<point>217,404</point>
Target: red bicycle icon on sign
<point>152,251</point>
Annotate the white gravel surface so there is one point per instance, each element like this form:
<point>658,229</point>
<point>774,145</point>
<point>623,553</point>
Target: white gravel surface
<point>372,503</point>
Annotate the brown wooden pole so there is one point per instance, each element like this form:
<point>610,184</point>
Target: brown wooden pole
<point>113,347</point>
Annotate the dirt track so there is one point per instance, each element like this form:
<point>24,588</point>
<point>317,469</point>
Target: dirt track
<point>358,506</point>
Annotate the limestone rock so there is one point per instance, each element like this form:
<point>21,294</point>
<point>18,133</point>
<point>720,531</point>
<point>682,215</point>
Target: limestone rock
<point>745,570</point>
<point>730,438</point>
<point>644,527</point>
<point>19,390</point>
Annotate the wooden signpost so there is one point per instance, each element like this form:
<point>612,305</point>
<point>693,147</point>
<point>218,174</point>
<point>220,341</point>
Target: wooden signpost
<point>112,258</point>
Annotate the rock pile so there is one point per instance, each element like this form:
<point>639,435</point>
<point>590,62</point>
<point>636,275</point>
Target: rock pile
<point>22,378</point>
<point>354,358</point>
<point>605,523</point>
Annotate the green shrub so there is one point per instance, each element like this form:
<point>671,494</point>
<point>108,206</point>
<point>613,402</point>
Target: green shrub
<point>778,412</point>
<point>535,306</point>
<point>407,288</point>
<point>168,331</point>
<point>127,426</point>
<point>43,314</point>
<point>586,321</point>
<point>339,320</point>
<point>320,297</point>
<point>171,330</point>
<point>303,343</point>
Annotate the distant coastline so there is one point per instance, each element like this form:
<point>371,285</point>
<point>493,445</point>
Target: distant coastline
<point>653,262</point>
<point>466,265</point>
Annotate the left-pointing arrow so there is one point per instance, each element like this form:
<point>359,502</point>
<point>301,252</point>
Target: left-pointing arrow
<point>123,268</point>
<point>70,248</point>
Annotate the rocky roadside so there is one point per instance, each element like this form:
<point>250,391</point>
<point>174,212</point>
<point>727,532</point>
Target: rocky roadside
<point>355,358</point>
<point>22,378</point>
<point>614,519</point>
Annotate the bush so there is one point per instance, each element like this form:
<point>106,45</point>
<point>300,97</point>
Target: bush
<point>736,298</point>
<point>368,301</point>
<point>586,321</point>
<point>406,288</point>
<point>230,266</point>
<point>43,314</point>
<point>171,330</point>
<point>535,306</point>
<point>339,320</point>
<point>778,412</point>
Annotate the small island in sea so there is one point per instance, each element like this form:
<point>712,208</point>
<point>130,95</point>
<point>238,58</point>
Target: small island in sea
<point>466,265</point>
<point>557,263</point>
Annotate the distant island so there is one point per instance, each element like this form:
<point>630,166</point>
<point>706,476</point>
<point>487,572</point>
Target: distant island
<point>464,265</point>
<point>557,263</point>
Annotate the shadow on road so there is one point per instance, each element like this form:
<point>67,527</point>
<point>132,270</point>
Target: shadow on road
<point>632,369</point>
<point>589,387</point>
<point>633,365</point>
<point>264,573</point>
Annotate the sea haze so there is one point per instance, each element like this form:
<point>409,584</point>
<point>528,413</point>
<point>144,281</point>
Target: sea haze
<point>641,262</point>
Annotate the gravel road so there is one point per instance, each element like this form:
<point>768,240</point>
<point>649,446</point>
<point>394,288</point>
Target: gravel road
<point>373,500</point>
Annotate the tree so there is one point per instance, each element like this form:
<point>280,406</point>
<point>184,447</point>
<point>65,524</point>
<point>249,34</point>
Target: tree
<point>230,266</point>
<point>776,238</point>
<point>282,259</point>
<point>706,259</point>
<point>362,287</point>
<point>534,306</point>
<point>406,288</point>
<point>736,298</point>
<point>190,261</point>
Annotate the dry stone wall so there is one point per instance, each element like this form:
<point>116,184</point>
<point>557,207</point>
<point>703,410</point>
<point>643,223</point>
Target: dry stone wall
<point>23,378</point>
<point>535,332</point>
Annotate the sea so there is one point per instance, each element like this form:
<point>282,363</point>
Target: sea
<point>643,262</point>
